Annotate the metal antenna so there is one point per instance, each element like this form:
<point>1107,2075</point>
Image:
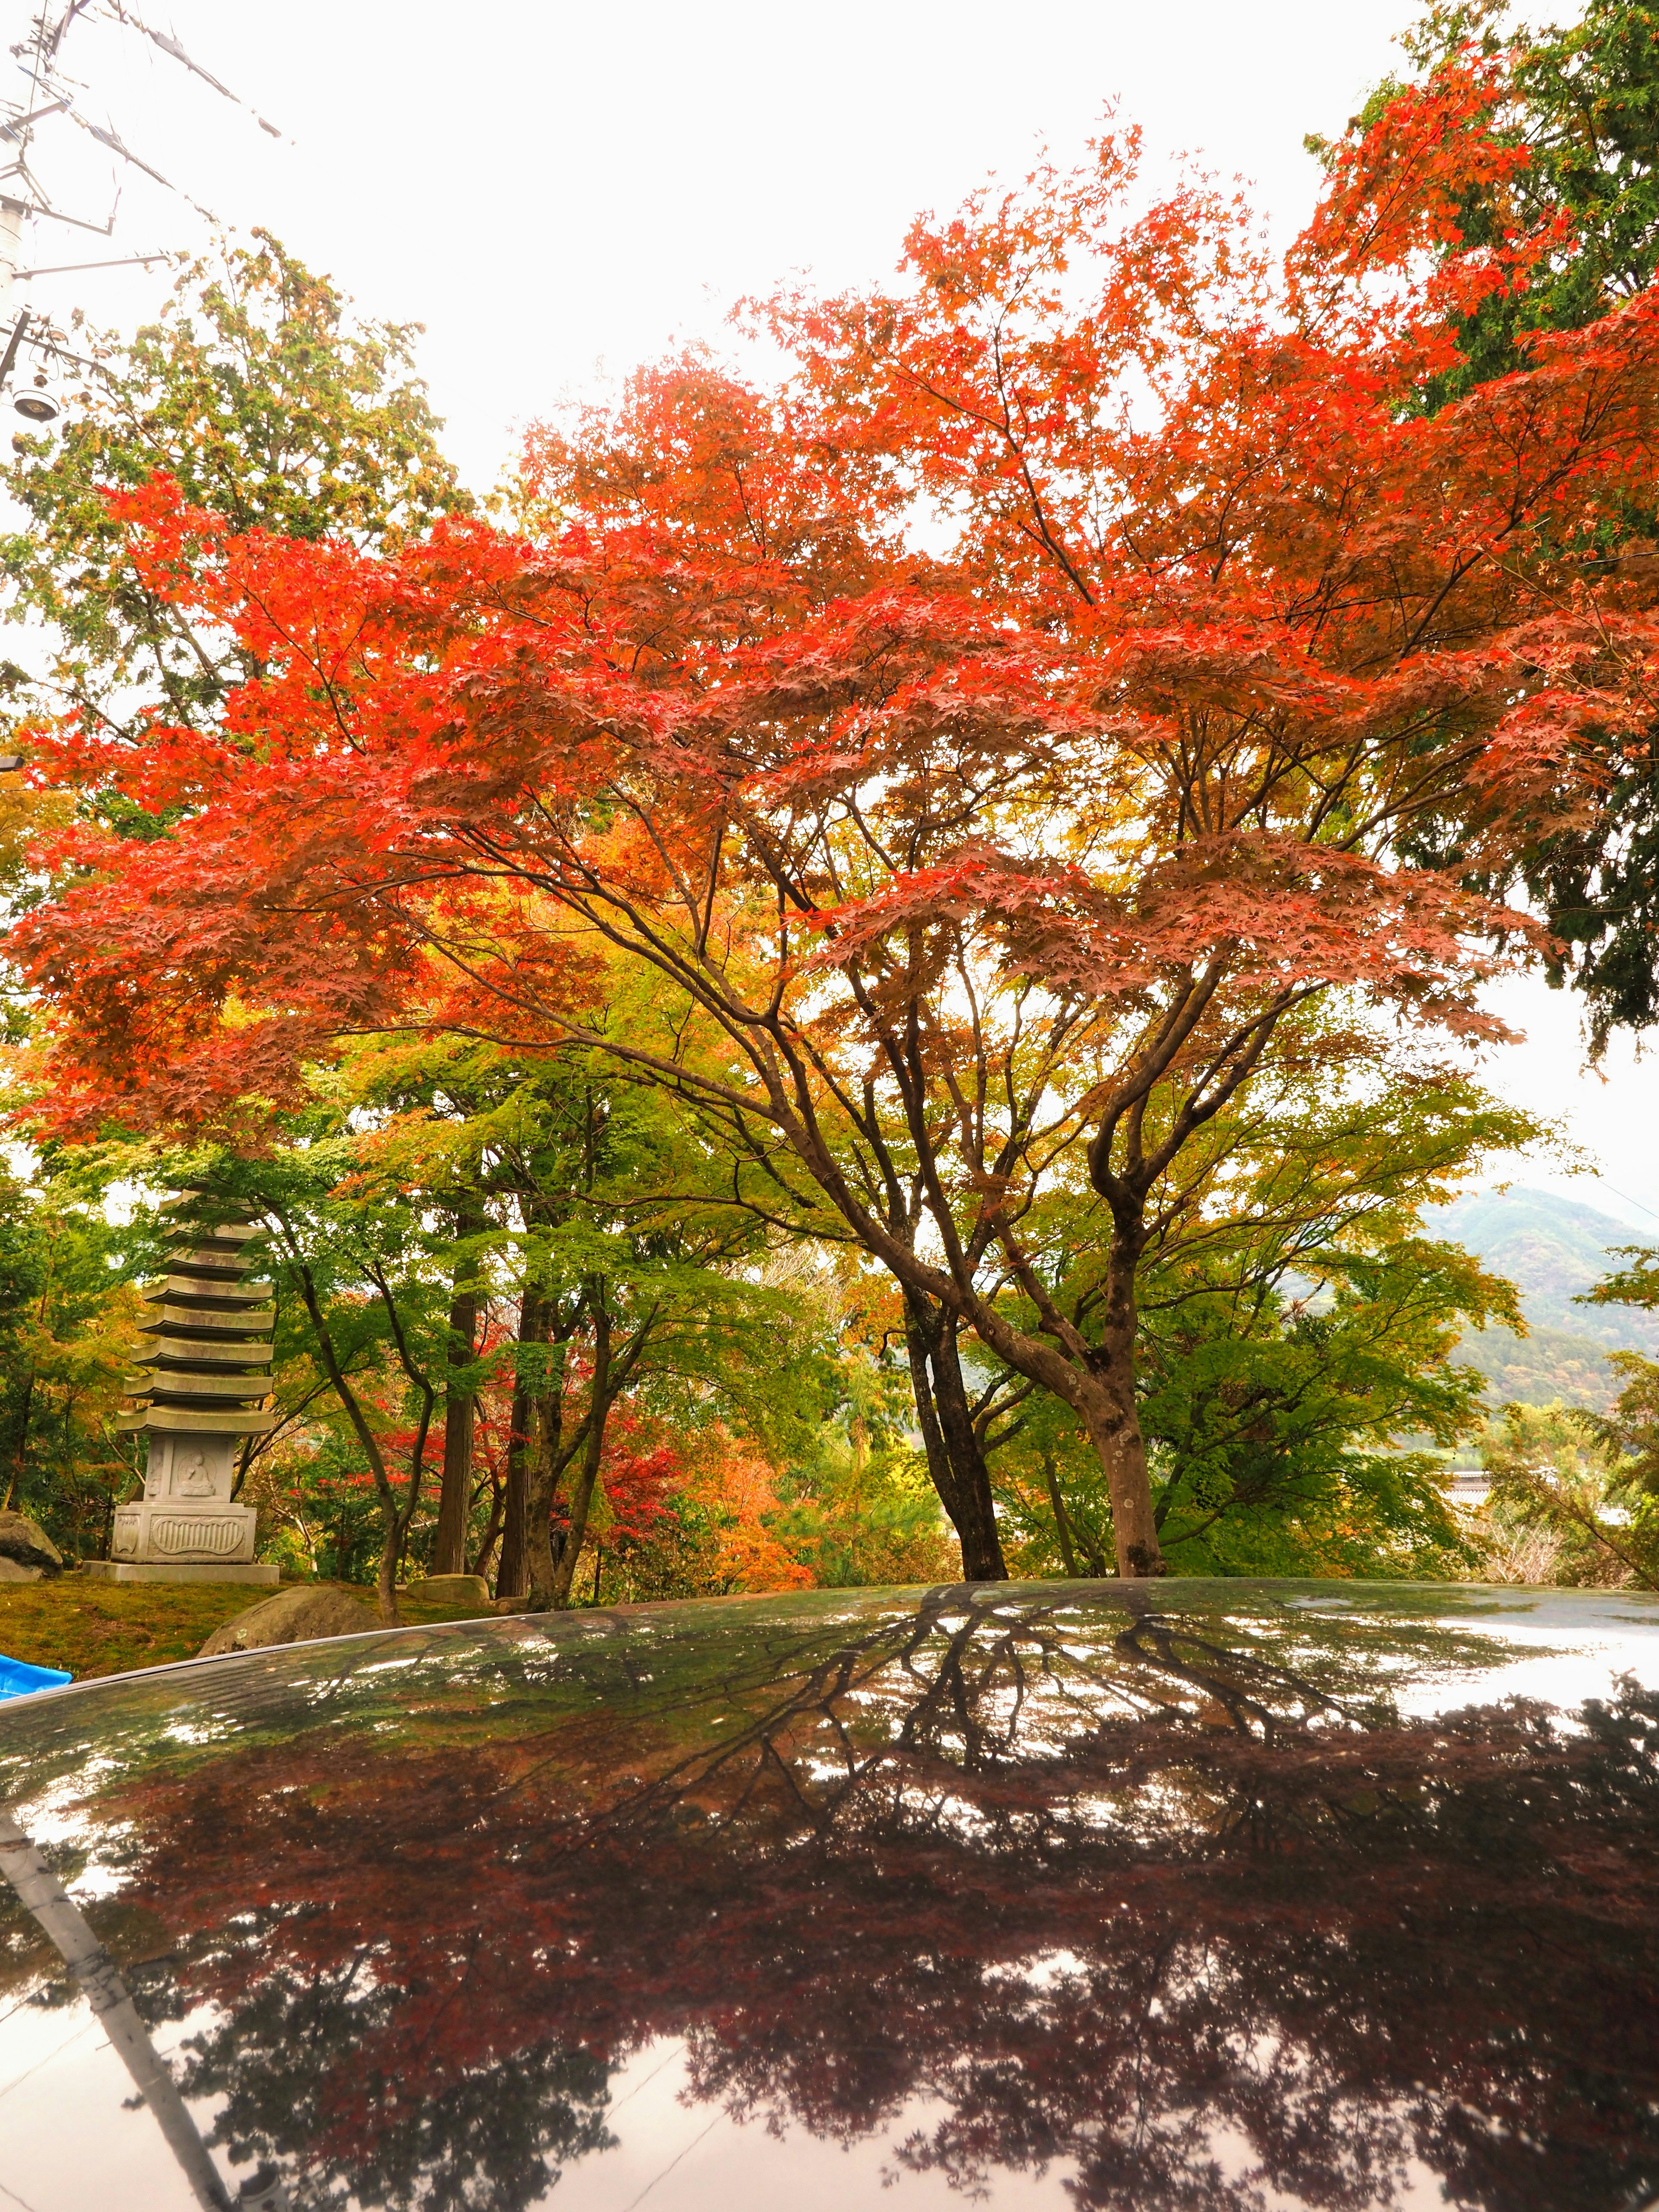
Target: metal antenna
<point>22,197</point>
<point>23,200</point>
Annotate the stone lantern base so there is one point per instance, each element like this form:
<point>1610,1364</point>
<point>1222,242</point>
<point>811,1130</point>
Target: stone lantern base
<point>145,1570</point>
<point>168,1532</point>
<point>185,1527</point>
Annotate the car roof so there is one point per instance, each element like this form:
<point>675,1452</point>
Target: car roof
<point>1214,1894</point>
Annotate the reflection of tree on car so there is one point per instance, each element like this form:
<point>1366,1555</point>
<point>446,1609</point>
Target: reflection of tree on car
<point>1171,1899</point>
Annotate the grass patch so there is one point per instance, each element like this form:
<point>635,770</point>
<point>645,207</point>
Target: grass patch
<point>94,1628</point>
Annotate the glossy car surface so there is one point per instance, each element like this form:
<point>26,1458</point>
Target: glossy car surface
<point>1235,1896</point>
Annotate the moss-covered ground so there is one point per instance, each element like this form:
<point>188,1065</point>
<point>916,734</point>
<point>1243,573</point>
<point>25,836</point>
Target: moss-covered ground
<point>92,1628</point>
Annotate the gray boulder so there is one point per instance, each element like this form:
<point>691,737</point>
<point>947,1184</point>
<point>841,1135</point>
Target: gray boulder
<point>451,1589</point>
<point>28,1543</point>
<point>293,1616</point>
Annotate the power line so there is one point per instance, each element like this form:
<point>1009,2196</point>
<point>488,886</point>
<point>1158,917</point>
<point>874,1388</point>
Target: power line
<point>69,268</point>
<point>28,2072</point>
<point>1629,1200</point>
<point>52,93</point>
<point>675,2160</point>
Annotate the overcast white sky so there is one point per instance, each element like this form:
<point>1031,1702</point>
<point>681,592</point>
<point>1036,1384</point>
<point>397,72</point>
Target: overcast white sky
<point>558,191</point>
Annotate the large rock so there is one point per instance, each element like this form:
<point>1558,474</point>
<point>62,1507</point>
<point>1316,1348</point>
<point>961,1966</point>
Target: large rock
<point>28,1543</point>
<point>451,1589</point>
<point>293,1616</point>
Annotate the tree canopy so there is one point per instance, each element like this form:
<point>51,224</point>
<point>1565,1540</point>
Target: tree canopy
<point>941,898</point>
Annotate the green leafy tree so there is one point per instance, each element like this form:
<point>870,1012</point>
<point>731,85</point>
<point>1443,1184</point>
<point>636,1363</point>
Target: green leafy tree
<point>1285,1430</point>
<point>1560,121</point>
<point>1298,1334</point>
<point>1588,1485</point>
<point>862,1509</point>
<point>362,1305</point>
<point>68,1321</point>
<point>271,404</point>
<point>1570,1501</point>
<point>639,1282</point>
<point>605,1226</point>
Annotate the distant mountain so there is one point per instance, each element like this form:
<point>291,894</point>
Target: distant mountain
<point>1545,1364</point>
<point>1551,1249</point>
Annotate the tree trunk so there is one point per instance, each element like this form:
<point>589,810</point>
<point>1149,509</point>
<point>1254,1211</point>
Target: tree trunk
<point>546,1458</point>
<point>455,1495</point>
<point>513,1577</point>
<point>510,1575</point>
<point>1062,1527</point>
<point>956,1457</point>
<point>1098,1383</point>
<point>479,1563</point>
<point>385,1580</point>
<point>1106,1400</point>
<point>1115,1431</point>
<point>392,1527</point>
<point>581,1497</point>
<point>1109,1408</point>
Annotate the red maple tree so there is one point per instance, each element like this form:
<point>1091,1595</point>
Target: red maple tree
<point>967,881</point>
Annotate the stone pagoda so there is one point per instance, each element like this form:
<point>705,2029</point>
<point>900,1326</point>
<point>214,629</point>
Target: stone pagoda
<point>205,1384</point>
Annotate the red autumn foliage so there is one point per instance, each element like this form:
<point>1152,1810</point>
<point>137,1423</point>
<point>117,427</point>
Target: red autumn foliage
<point>638,1481</point>
<point>979,866</point>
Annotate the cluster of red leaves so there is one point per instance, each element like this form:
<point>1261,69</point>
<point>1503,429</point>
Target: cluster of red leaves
<point>712,1497</point>
<point>1198,661</point>
<point>1398,188</point>
<point>642,1469</point>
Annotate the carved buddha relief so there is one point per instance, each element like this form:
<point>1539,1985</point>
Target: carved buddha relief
<point>192,1477</point>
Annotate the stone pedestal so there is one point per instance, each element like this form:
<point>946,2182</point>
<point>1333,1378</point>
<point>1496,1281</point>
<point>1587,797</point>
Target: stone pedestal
<point>204,1386</point>
<point>257,1572</point>
<point>211,1536</point>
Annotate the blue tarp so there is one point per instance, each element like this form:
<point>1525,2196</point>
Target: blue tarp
<point>18,1678</point>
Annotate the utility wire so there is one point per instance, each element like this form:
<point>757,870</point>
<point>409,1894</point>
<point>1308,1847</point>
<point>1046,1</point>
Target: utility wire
<point>69,2042</point>
<point>675,2160</point>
